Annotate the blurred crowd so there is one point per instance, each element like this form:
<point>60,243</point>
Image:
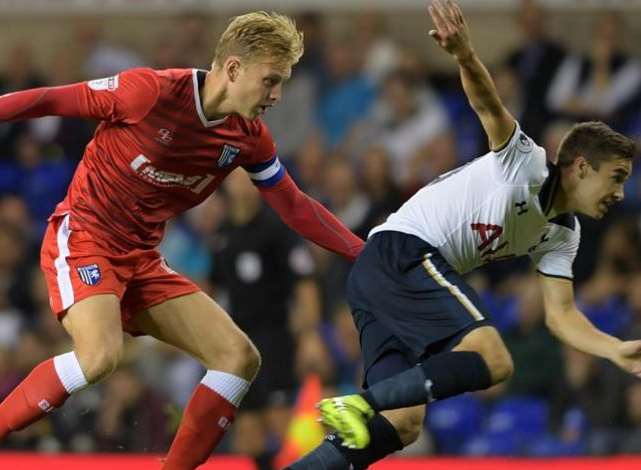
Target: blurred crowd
<point>364,122</point>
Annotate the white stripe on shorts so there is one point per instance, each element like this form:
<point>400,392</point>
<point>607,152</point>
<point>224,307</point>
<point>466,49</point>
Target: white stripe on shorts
<point>62,268</point>
<point>454,290</point>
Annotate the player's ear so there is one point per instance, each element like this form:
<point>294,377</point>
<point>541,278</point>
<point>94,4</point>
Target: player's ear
<point>582,165</point>
<point>232,68</point>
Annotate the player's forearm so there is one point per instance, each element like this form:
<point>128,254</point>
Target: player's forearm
<point>315,223</point>
<point>573,328</point>
<point>478,85</point>
<point>311,220</point>
<point>38,102</point>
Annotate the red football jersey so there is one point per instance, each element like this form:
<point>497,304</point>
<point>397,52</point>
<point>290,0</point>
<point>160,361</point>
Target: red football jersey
<point>155,154</point>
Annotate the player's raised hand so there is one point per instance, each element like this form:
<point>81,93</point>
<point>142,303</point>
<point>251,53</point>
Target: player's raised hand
<point>628,357</point>
<point>452,32</point>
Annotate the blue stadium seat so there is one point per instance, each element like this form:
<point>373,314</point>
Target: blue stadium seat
<point>526,417</point>
<point>574,429</point>
<point>491,445</point>
<point>455,420</point>
<point>504,310</point>
<point>552,446</point>
<point>45,186</point>
<point>9,178</point>
<point>611,316</point>
<point>510,426</point>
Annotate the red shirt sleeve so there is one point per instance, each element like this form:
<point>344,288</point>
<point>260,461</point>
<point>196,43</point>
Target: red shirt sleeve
<point>310,219</point>
<point>127,97</point>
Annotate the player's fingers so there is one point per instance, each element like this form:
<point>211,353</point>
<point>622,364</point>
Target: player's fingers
<point>452,13</point>
<point>438,20</point>
<point>459,14</point>
<point>446,14</point>
<point>445,25</point>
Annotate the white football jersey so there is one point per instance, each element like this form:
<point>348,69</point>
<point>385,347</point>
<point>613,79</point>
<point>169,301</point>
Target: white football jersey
<point>495,207</point>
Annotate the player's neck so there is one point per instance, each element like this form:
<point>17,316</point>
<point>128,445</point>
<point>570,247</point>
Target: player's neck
<point>560,204</point>
<point>214,98</point>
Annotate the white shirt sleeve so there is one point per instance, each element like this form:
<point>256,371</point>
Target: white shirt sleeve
<point>521,161</point>
<point>555,256</point>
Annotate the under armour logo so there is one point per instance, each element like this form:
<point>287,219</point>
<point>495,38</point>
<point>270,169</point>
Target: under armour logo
<point>164,136</point>
<point>522,206</point>
<point>544,238</point>
<point>45,406</point>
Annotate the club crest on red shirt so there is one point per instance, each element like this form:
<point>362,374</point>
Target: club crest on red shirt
<point>227,155</point>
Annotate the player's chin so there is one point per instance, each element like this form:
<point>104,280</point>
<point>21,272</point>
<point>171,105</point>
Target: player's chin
<point>250,114</point>
<point>599,211</point>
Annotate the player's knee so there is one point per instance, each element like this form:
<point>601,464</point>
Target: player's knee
<point>252,361</point>
<point>99,362</point>
<point>240,357</point>
<point>500,364</point>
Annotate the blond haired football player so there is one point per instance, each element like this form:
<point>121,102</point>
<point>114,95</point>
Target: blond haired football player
<point>166,140</point>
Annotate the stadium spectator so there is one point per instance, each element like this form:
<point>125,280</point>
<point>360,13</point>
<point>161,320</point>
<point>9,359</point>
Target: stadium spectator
<point>535,63</point>
<point>605,84</point>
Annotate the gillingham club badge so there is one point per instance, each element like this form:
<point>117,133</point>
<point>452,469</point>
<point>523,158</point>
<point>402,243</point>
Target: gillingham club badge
<point>89,274</point>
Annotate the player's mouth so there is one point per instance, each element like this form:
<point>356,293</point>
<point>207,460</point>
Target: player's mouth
<point>605,204</point>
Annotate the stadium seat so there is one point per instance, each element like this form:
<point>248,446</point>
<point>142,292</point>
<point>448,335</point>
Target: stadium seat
<point>510,426</point>
<point>44,186</point>
<point>611,316</point>
<point>491,445</point>
<point>503,309</point>
<point>9,178</point>
<point>455,420</point>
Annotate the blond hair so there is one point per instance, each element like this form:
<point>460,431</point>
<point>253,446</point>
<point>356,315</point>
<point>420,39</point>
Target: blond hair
<point>260,34</point>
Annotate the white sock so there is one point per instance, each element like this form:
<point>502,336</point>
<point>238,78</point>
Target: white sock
<point>228,386</point>
<point>69,372</point>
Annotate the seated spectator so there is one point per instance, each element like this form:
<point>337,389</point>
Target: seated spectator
<point>409,122</point>
<point>530,342</point>
<point>534,63</point>
<point>346,94</point>
<point>606,85</point>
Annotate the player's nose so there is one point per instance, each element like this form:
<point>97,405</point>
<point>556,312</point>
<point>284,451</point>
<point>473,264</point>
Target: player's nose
<point>276,93</point>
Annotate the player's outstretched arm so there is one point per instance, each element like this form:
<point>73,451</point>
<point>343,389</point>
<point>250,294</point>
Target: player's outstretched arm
<point>39,102</point>
<point>452,34</point>
<point>126,97</point>
<point>310,219</point>
<point>570,325</point>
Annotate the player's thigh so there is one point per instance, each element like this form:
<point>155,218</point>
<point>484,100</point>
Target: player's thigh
<point>196,324</point>
<point>95,327</point>
<point>487,341</point>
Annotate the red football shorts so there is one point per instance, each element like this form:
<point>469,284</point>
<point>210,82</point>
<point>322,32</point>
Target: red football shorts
<point>76,267</point>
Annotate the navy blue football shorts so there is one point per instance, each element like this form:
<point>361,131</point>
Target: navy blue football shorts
<point>408,303</point>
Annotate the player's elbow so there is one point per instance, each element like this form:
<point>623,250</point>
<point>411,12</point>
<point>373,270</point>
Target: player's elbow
<point>554,323</point>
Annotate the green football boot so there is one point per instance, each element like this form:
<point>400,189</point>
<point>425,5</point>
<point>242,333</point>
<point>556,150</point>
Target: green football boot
<point>348,416</point>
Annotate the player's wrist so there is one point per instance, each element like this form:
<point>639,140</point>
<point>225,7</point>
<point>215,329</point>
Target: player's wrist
<point>466,56</point>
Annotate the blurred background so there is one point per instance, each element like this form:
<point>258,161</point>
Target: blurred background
<point>373,112</point>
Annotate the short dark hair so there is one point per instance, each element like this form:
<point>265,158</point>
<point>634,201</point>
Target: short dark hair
<point>597,142</point>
